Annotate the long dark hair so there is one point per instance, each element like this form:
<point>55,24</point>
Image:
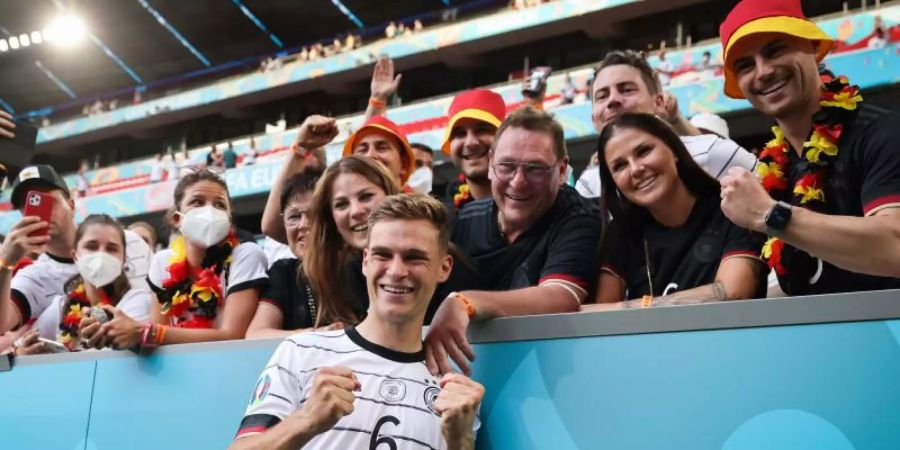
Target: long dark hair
<point>120,285</point>
<point>618,208</point>
<point>325,252</point>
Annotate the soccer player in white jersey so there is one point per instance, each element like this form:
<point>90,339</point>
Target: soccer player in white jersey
<point>368,386</point>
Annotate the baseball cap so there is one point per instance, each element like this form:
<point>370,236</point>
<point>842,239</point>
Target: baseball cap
<point>710,122</point>
<point>479,104</point>
<point>36,176</point>
<point>753,17</point>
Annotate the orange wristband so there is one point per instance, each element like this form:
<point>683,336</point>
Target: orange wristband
<point>466,304</point>
<point>6,265</point>
<point>377,103</point>
<point>646,301</point>
<point>160,334</point>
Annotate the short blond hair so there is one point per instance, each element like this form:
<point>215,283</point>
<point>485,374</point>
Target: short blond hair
<point>414,206</point>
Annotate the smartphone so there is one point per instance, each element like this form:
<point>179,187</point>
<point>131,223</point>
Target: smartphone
<point>53,346</point>
<point>536,81</point>
<point>19,150</point>
<point>39,204</point>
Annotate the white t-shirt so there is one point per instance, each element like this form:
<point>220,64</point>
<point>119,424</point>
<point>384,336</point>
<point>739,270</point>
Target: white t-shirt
<point>35,286</point>
<point>716,155</point>
<point>135,304</point>
<point>588,184</point>
<point>276,251</point>
<point>247,270</point>
<point>395,401</point>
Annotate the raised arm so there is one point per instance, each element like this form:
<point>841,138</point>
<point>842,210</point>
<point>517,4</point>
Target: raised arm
<point>315,132</point>
<point>384,85</point>
<point>13,249</point>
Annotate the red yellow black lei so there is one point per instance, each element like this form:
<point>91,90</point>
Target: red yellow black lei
<point>462,196</point>
<point>838,100</point>
<point>68,326</point>
<point>194,303</point>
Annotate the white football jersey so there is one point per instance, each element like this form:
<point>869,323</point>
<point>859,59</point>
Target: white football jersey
<point>394,406</point>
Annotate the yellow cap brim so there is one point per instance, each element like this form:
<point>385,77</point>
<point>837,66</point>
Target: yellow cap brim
<point>471,113</point>
<point>791,26</point>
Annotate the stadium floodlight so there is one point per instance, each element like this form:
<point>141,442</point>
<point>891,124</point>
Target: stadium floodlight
<point>36,37</point>
<point>13,42</point>
<point>65,30</point>
<point>24,40</point>
<point>3,45</point>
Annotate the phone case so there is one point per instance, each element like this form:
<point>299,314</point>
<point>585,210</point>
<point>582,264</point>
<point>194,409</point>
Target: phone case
<point>39,204</point>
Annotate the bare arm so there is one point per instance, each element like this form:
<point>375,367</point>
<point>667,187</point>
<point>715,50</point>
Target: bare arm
<point>673,115</point>
<point>737,278</point>
<point>13,249</point>
<point>316,131</point>
<point>548,298</point>
<point>869,245</point>
<point>384,85</point>
<point>235,318</point>
<point>272,225</point>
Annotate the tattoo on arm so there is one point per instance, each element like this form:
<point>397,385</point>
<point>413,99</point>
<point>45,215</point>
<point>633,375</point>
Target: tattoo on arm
<point>702,294</point>
<point>719,292</point>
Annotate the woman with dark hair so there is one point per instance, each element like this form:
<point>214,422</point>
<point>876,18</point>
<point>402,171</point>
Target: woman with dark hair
<point>668,241</point>
<point>206,285</point>
<point>101,282</point>
<point>288,305</point>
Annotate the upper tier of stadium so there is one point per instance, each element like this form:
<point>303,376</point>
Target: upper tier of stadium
<point>122,190</point>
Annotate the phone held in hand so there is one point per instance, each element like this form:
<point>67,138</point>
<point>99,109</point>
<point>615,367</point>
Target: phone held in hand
<point>53,346</point>
<point>39,204</point>
<point>537,81</point>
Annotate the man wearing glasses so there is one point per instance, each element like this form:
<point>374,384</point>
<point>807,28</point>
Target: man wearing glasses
<point>534,239</point>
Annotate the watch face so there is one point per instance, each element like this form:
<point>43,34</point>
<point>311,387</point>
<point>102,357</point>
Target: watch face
<point>779,217</point>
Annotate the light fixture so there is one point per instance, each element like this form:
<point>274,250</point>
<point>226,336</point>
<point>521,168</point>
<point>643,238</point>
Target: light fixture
<point>13,42</point>
<point>24,40</point>
<point>65,30</point>
<point>36,37</point>
<point>3,45</point>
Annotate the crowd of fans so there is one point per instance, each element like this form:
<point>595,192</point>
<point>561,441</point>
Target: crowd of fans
<point>685,216</point>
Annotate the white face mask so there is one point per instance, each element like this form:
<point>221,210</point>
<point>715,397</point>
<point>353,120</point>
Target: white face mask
<point>99,268</point>
<point>205,226</point>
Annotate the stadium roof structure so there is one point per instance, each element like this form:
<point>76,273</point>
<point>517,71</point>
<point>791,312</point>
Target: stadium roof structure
<point>133,43</point>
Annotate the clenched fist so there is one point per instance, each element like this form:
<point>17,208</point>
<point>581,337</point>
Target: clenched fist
<point>330,399</point>
<point>316,131</point>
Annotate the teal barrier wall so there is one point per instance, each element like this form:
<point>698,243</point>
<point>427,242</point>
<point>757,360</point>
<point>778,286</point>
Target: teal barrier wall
<point>805,373</point>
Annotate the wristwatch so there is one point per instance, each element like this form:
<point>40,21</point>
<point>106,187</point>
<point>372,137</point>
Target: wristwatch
<point>777,218</point>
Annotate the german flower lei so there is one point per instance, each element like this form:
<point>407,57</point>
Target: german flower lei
<point>838,100</point>
<point>77,299</point>
<point>200,297</point>
<point>462,196</point>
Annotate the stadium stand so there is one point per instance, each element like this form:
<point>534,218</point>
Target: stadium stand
<point>738,375</point>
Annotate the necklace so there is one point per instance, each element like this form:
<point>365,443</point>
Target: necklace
<point>463,196</point>
<point>310,300</point>
<point>838,101</point>
<point>194,303</point>
<point>649,270</point>
<point>76,300</point>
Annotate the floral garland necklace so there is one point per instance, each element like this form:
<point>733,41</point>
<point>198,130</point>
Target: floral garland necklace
<point>838,101</point>
<point>202,296</point>
<point>77,299</point>
<point>462,196</point>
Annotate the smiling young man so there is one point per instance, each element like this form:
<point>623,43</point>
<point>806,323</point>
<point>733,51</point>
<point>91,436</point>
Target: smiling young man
<point>830,192</point>
<point>533,240</point>
<point>381,139</point>
<point>367,386</point>
<point>473,119</point>
<point>625,83</point>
